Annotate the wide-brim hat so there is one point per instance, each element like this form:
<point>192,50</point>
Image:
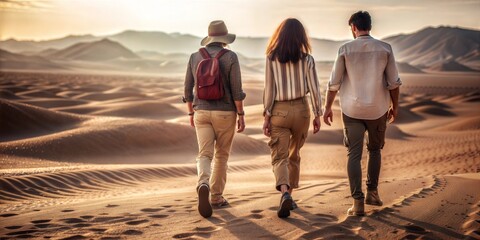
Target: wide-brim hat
<point>218,32</point>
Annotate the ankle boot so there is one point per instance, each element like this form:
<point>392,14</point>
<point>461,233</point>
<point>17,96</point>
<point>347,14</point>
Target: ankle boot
<point>357,209</point>
<point>373,198</point>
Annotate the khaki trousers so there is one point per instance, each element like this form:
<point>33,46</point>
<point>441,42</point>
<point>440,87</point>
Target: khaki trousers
<point>215,131</point>
<point>354,133</point>
<point>289,129</point>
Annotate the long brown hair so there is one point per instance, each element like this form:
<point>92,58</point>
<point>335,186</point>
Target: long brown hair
<point>289,43</point>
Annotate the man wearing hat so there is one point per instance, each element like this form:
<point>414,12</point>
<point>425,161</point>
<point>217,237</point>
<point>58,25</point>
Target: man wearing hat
<point>215,120</point>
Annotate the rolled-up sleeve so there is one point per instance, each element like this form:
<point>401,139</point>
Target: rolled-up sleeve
<point>269,89</point>
<point>314,87</point>
<point>189,82</point>
<point>391,72</point>
<point>338,72</point>
<point>236,79</point>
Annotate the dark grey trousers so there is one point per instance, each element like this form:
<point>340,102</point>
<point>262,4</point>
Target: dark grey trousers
<point>354,133</point>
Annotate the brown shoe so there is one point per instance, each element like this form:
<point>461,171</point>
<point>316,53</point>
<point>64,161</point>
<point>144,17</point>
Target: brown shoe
<point>373,198</point>
<point>204,207</point>
<point>357,209</point>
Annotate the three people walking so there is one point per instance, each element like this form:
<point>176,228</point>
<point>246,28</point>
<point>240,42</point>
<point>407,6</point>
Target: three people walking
<point>364,74</point>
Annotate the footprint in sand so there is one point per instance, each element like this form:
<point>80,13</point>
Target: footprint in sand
<point>132,232</point>
<point>87,217</point>
<point>13,227</point>
<point>112,205</point>
<point>256,211</point>
<point>325,218</point>
<point>158,216</point>
<point>255,216</point>
<point>105,219</point>
<point>183,235</point>
<point>74,237</point>
<point>150,210</point>
<point>72,220</point>
<point>79,225</point>
<point>333,191</point>
<point>110,238</point>
<point>24,232</point>
<point>8,215</point>
<point>97,230</point>
<point>68,210</point>
<point>415,229</point>
<point>137,222</point>
<point>206,229</point>
<point>41,221</point>
<point>43,225</point>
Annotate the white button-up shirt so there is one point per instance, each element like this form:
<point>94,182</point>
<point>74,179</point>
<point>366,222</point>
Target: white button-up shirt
<point>363,73</point>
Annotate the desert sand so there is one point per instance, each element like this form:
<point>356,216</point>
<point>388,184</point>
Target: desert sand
<point>113,157</point>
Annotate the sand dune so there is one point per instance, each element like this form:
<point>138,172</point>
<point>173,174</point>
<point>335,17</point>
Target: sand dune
<point>118,137</point>
<point>18,120</point>
<point>117,171</point>
<point>142,109</point>
<point>467,124</point>
<point>7,94</point>
<point>432,110</point>
<point>104,49</point>
<point>53,103</point>
<point>450,66</point>
<point>407,68</point>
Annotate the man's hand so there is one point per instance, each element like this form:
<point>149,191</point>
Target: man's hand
<point>240,124</point>
<point>392,114</point>
<point>267,126</point>
<point>328,116</point>
<point>316,124</point>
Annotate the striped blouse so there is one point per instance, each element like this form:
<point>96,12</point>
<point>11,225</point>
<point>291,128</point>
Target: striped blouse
<point>289,81</point>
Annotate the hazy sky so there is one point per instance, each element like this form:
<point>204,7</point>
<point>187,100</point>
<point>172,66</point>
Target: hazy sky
<point>46,19</point>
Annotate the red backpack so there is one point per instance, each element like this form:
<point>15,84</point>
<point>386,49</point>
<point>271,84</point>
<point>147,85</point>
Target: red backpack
<point>209,78</point>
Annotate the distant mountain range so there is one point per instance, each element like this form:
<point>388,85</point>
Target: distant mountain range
<point>439,49</point>
<point>430,49</point>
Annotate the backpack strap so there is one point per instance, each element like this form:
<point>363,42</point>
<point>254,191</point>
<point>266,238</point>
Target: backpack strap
<point>219,54</point>
<point>204,53</point>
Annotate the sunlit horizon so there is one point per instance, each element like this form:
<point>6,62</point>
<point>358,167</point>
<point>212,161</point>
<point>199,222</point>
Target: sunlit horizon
<point>53,19</point>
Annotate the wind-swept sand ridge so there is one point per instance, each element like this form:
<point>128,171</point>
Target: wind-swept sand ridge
<point>113,157</point>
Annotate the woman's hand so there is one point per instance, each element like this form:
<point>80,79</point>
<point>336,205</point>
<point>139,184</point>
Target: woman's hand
<point>316,125</point>
<point>192,122</point>
<point>267,126</point>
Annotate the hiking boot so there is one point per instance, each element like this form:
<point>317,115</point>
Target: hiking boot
<point>204,207</point>
<point>294,205</point>
<point>357,209</point>
<point>373,198</point>
<point>285,205</point>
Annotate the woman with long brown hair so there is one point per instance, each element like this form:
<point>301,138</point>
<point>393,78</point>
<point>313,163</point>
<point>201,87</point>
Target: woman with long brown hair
<point>290,74</point>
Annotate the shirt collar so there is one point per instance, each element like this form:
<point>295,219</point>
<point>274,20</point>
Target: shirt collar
<point>364,37</point>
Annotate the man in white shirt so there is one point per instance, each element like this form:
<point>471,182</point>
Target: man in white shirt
<point>366,77</point>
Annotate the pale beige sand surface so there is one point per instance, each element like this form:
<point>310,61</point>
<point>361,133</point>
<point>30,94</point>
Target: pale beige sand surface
<point>113,157</point>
